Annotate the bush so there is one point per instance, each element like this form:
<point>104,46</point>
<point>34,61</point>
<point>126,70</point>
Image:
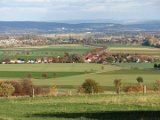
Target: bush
<point>6,89</point>
<point>140,80</point>
<point>29,76</point>
<point>157,85</point>
<point>52,90</point>
<point>27,86</point>
<point>90,86</point>
<point>38,90</point>
<point>133,88</point>
<point>118,84</point>
<point>17,85</point>
<point>45,75</point>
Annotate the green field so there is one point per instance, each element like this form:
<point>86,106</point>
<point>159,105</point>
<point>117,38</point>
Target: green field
<point>135,65</point>
<point>68,76</point>
<point>96,107</point>
<point>73,75</point>
<point>58,50</point>
<point>135,50</point>
<point>42,51</point>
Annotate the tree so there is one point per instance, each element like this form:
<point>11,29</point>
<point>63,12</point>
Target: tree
<point>118,84</point>
<point>110,59</point>
<point>158,66</point>
<point>6,89</point>
<point>140,80</point>
<point>90,87</point>
<point>45,75</point>
<point>17,85</point>
<point>155,66</point>
<point>27,86</point>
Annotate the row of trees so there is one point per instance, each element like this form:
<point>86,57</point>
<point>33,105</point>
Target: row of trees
<point>24,87</point>
<point>91,87</point>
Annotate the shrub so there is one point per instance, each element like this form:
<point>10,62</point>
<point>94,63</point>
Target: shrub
<point>52,90</point>
<point>155,66</point>
<point>29,76</point>
<point>17,85</point>
<point>140,80</point>
<point>45,75</point>
<point>27,86</point>
<point>118,84</point>
<point>38,90</point>
<point>133,88</point>
<point>6,89</point>
<point>157,85</point>
<point>90,86</point>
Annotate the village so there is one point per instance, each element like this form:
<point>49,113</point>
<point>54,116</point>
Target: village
<point>97,55</point>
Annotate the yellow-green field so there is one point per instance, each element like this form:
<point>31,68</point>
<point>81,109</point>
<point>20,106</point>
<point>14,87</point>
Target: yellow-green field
<point>96,107</point>
<point>74,74</point>
<point>42,51</point>
<point>135,50</point>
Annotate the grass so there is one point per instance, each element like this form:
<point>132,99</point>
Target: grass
<point>127,46</point>
<point>96,107</point>
<point>69,76</point>
<point>42,51</point>
<point>135,65</point>
<point>56,67</point>
<point>138,50</point>
<point>133,71</point>
<point>123,46</point>
<point>37,75</point>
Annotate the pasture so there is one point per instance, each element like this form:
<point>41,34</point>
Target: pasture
<point>93,107</point>
<point>42,51</point>
<point>72,75</point>
<point>135,50</point>
<point>68,77</point>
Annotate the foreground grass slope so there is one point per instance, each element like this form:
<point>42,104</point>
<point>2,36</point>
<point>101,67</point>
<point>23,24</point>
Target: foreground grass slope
<point>128,106</point>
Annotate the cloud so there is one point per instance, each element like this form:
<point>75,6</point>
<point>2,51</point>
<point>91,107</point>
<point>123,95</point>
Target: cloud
<point>79,9</point>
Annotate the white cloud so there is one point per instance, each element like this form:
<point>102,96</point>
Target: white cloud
<point>65,9</point>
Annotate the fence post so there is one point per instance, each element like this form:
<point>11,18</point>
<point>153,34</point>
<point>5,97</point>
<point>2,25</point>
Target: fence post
<point>33,92</point>
<point>144,89</point>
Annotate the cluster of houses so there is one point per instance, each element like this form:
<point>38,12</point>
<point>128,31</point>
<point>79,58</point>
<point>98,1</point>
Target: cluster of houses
<point>63,59</point>
<point>29,61</point>
<point>98,55</point>
<point>15,42</point>
<point>105,57</point>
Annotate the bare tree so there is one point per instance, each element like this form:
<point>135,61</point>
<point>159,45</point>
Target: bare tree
<point>118,84</point>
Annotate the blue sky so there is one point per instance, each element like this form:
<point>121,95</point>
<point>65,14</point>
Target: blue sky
<point>54,10</point>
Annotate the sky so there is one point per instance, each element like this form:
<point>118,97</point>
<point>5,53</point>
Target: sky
<point>55,10</point>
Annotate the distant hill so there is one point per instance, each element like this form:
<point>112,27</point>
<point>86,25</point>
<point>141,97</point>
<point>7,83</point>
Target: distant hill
<point>53,27</point>
<point>149,25</point>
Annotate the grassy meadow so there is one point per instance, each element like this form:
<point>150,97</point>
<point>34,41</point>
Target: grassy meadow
<point>42,51</point>
<point>72,75</point>
<point>136,50</point>
<point>67,77</point>
<point>95,107</point>
<point>58,50</point>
